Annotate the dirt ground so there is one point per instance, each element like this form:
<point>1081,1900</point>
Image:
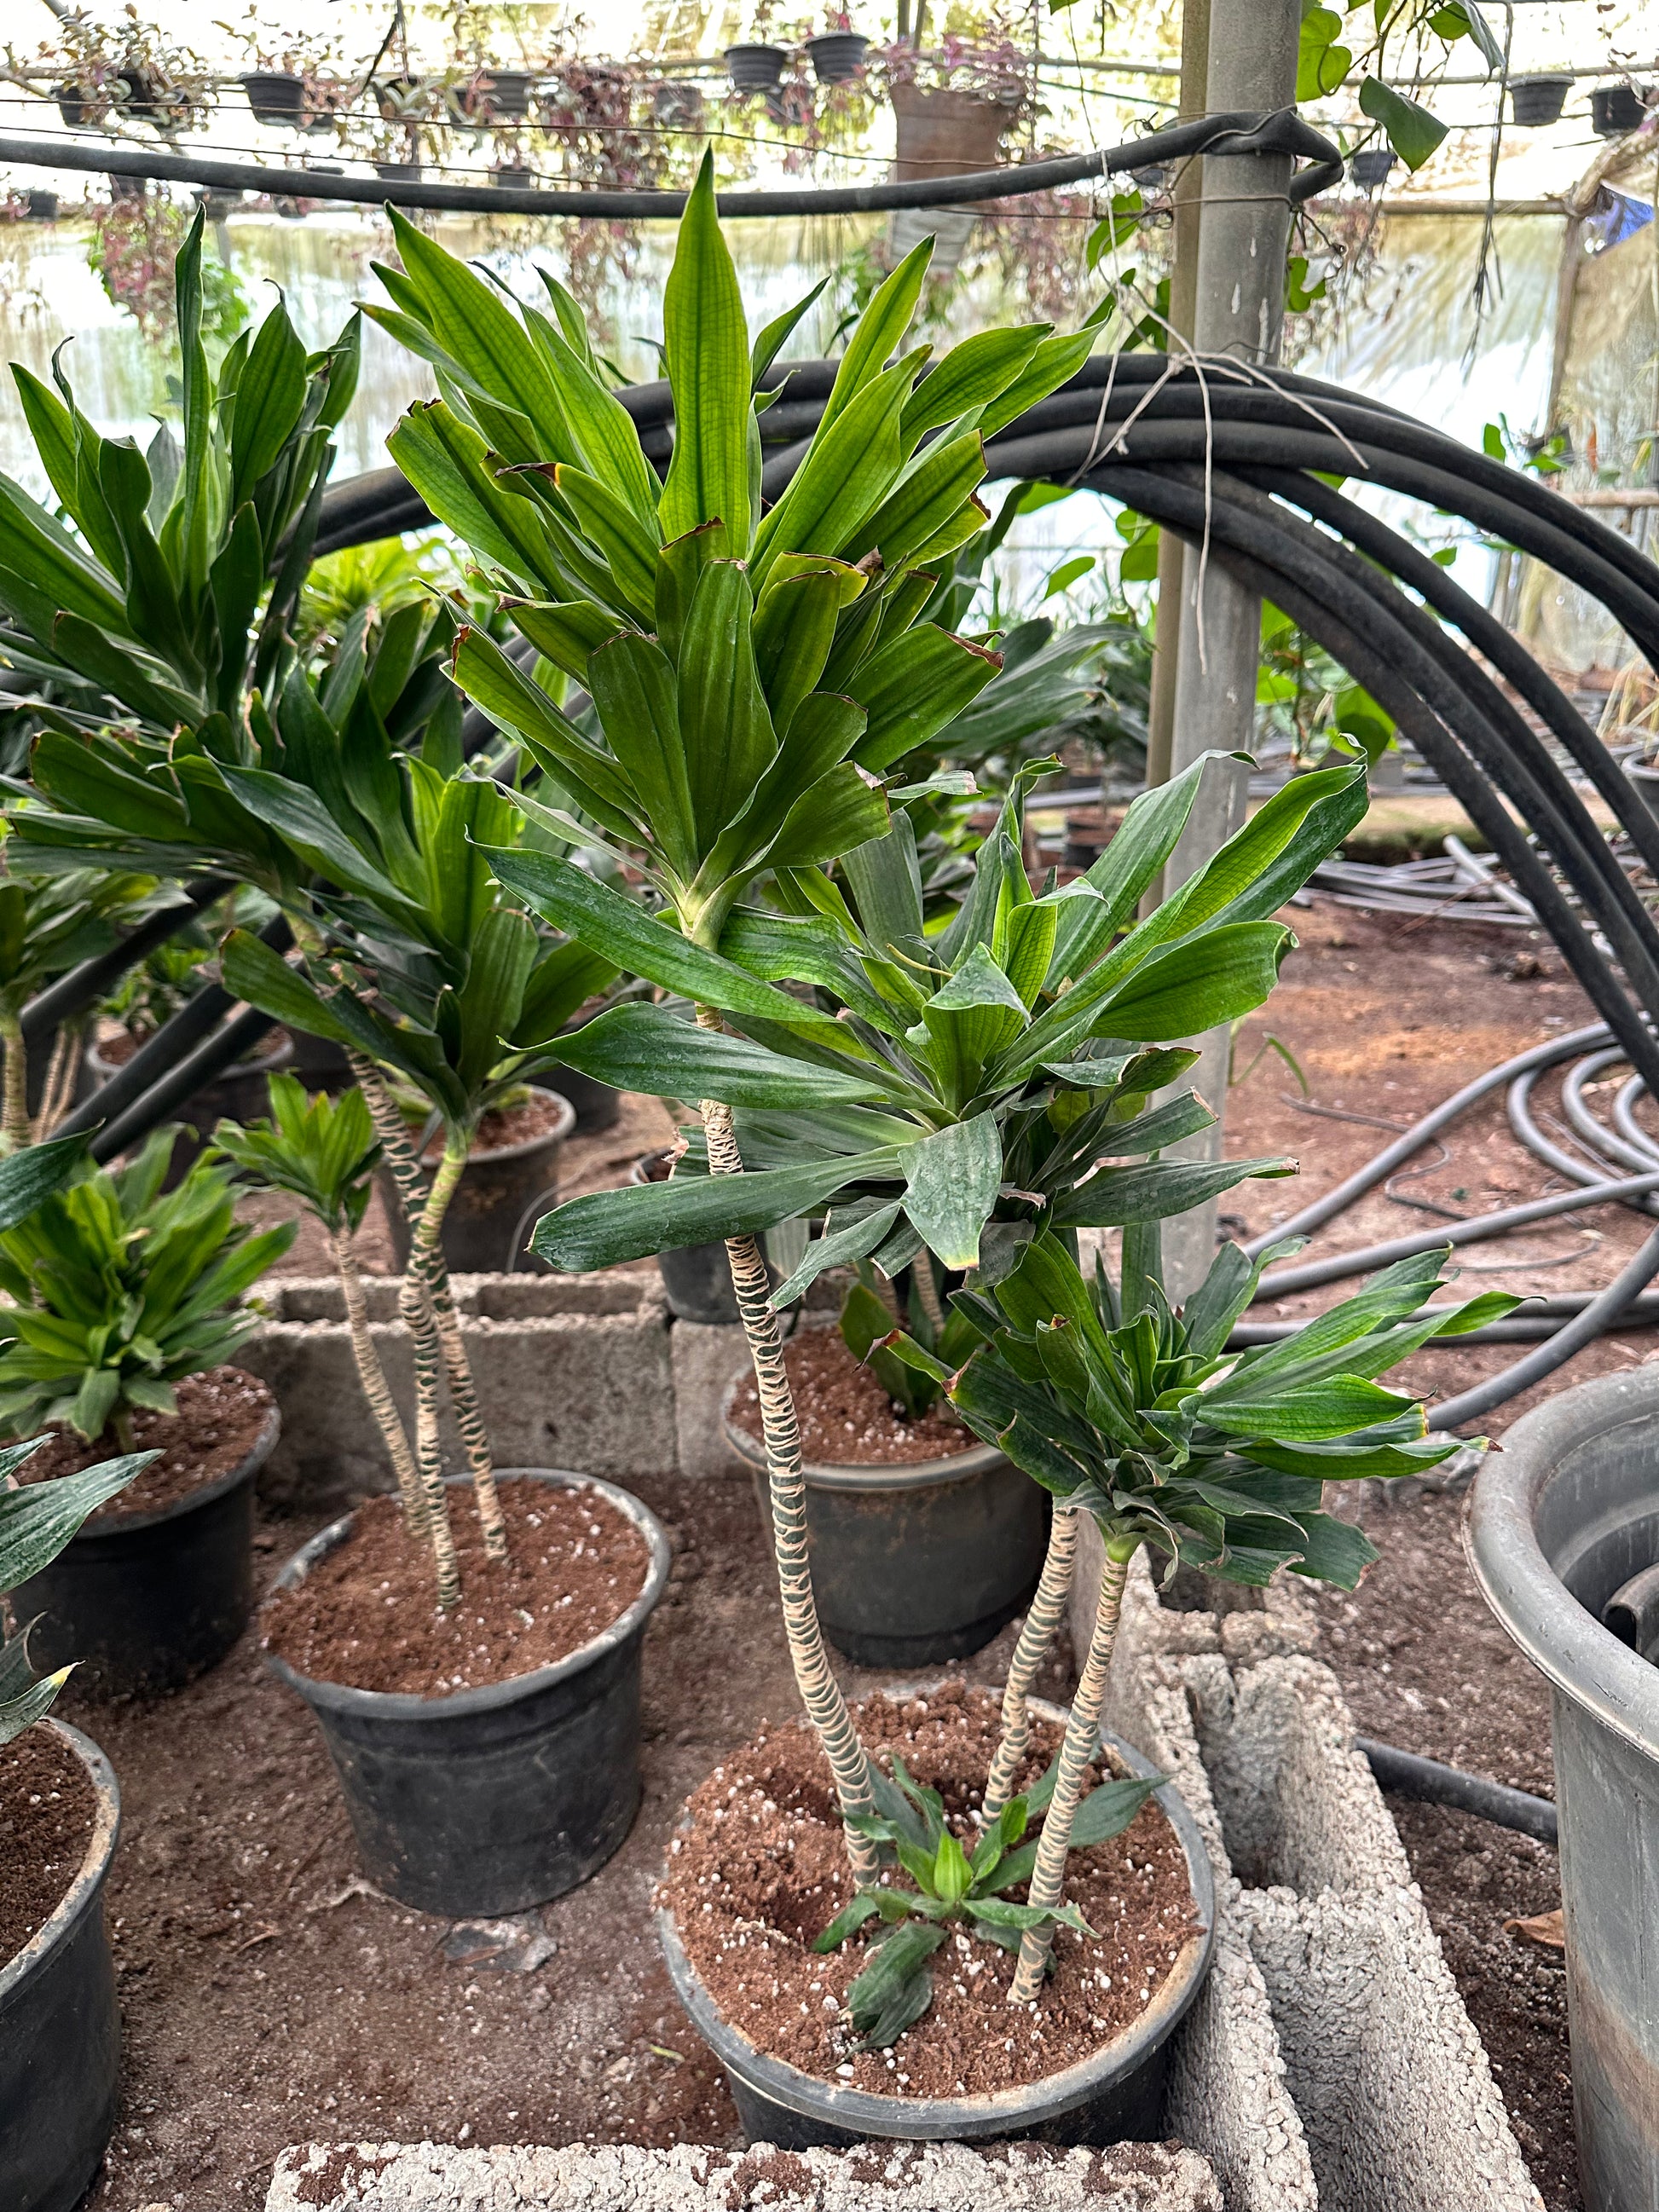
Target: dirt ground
<point>268,1998</point>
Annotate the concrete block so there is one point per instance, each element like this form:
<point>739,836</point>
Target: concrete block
<point>887,2176</point>
<point>705,1356</point>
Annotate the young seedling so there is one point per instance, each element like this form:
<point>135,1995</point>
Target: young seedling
<point>324,1152</point>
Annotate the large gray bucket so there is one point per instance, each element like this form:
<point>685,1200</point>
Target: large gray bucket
<point>1564,1516</point>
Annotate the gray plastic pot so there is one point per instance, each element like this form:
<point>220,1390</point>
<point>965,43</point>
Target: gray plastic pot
<point>1560,1523</point>
<point>1115,2096</point>
<point>276,97</point>
<point>755,66</point>
<point>490,1801</point>
<point>837,55</point>
<point>500,1198</point>
<point>1538,100</point>
<point>914,1565</point>
<point>60,2027</point>
<point>146,1601</point>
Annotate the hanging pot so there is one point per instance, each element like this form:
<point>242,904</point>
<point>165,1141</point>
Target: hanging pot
<point>42,206</point>
<point>60,2026</point>
<point>945,133</point>
<point>1116,2095</point>
<point>507,91</point>
<point>276,97</point>
<point>1371,168</point>
<point>144,1603</point>
<point>1616,111</point>
<point>513,177</point>
<point>500,1198</point>
<point>494,1800</point>
<point>756,68</point>
<point>837,55</point>
<point>399,172</point>
<point>72,103</point>
<point>913,1563</point>
<point>1535,101</point>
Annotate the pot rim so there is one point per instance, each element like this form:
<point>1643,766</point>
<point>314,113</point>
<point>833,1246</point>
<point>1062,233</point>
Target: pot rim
<point>246,1468</point>
<point>262,1063</point>
<point>756,46</point>
<point>899,1474</point>
<point>543,1142</point>
<point>405,1705</point>
<point>924,2119</point>
<point>82,1895</point>
<point>1562,1639</point>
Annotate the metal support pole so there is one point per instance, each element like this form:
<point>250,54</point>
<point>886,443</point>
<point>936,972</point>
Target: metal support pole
<point>1238,310</point>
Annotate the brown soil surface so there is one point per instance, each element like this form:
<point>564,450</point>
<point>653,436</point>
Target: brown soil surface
<point>762,1871</point>
<point>269,1997</point>
<point>365,1616</point>
<point>847,1418</point>
<point>117,1047</point>
<point>218,1422</point>
<point>47,1809</point>
<point>538,1116</point>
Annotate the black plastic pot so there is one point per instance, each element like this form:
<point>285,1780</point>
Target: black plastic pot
<point>42,206</point>
<point>71,104</point>
<point>697,1278</point>
<point>512,177</point>
<point>399,172</point>
<point>754,67</point>
<point>277,96</point>
<point>1615,110</point>
<point>507,91</point>
<point>490,1801</point>
<point>147,1601</point>
<point>1371,168</point>
<point>1115,2096</point>
<point>60,2027</point>
<point>1644,777</point>
<point>596,1105</point>
<point>498,1201</point>
<point>1535,100</point>
<point>919,1564</point>
<point>837,55</point>
<point>321,1064</point>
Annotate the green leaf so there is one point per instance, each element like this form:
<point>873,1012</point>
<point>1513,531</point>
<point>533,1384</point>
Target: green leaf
<point>1108,1810</point>
<point>1412,132</point>
<point>1196,985</point>
<point>270,395</point>
<point>914,688</point>
<point>30,1176</point>
<point>516,703</point>
<point>1117,1196</point>
<point>847,1921</point>
<point>838,1247</point>
<point>940,484</point>
<point>794,628</point>
<point>628,541</point>
<point>776,335</point>
<point>952,1180</point>
<point>635,691</point>
<point>851,466</point>
<point>969,376</point>
<point>646,1048</point>
<point>37,1520</point>
<point>894,1989</point>
<point>449,464</point>
<point>723,723</point>
<point>564,632</point>
<point>880,332</point>
<point>610,1226</point>
<point>841,811</point>
<point>706,347</point>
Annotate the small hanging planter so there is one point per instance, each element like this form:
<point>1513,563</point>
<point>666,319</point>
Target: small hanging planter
<point>514,177</point>
<point>506,93</point>
<point>278,97</point>
<point>73,101</point>
<point>837,55</point>
<point>1536,100</point>
<point>1616,110</point>
<point>754,67</point>
<point>42,206</point>
<point>399,172</point>
<point>1371,168</point>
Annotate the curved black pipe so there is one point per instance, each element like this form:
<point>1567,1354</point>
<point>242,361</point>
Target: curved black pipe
<point>73,993</point>
<point>1405,1774</point>
<point>222,1049</point>
<point>1235,132</point>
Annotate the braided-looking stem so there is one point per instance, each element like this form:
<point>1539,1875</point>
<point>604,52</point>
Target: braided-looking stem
<point>1047,1610</point>
<point>921,1273</point>
<point>1081,1741</point>
<point>372,1375</point>
<point>415,1311</point>
<point>15,1114</point>
<point>820,1693</point>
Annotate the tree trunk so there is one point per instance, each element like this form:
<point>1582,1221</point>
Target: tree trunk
<point>1048,1610</point>
<point>1048,1888</point>
<point>14,1115</point>
<point>820,1692</point>
<point>371,1376</point>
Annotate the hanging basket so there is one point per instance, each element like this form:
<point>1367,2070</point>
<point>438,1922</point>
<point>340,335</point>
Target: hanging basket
<point>1536,100</point>
<point>1371,168</point>
<point>276,97</point>
<point>1616,110</point>
<point>755,67</point>
<point>945,133</point>
<point>837,55</point>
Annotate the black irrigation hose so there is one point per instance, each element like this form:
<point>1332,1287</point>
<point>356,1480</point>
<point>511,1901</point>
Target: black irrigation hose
<point>222,1049</point>
<point>1283,132</point>
<point>71,994</point>
<point>1404,1774</point>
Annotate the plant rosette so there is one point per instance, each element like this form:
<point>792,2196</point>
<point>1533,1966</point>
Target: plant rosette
<point>924,1541</point>
<point>840,2015</point>
<point>488,1754</point>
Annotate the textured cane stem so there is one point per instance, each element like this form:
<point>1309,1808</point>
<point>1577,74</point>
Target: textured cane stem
<point>820,1692</point>
<point>14,1117</point>
<point>61,1071</point>
<point>371,1376</point>
<point>1047,1610</point>
<point>1081,1741</point>
<point>415,1310</point>
<point>921,1273</point>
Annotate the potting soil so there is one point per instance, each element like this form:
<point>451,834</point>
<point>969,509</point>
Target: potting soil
<point>762,1870</point>
<point>366,1614</point>
<point>846,1417</point>
<point>218,1422</point>
<point>47,1808</point>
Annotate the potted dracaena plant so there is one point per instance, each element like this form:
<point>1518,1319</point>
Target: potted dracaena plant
<point>752,676</point>
<point>911,1070</point>
<point>124,1311</point>
<point>60,2029</point>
